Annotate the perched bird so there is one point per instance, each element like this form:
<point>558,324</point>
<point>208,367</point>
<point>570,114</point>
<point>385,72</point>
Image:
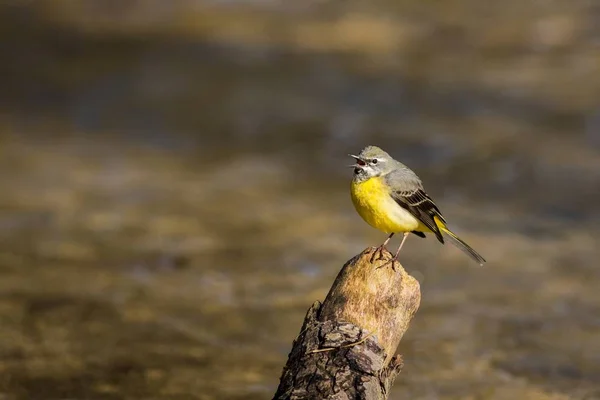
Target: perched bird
<point>390,197</point>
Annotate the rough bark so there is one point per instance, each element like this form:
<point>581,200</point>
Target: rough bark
<point>345,349</point>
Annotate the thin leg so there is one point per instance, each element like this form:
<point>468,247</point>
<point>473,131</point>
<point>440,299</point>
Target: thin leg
<point>379,250</point>
<point>395,257</point>
<point>401,244</point>
<point>387,240</point>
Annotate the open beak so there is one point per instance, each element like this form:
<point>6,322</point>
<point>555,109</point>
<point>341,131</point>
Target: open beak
<point>359,161</point>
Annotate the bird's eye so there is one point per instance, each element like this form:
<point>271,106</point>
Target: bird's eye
<point>374,161</point>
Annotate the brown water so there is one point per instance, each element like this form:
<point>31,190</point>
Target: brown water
<point>175,196</point>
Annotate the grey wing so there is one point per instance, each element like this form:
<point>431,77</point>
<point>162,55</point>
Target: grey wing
<point>407,191</point>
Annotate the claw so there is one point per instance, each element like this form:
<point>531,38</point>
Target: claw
<point>377,254</point>
<point>380,249</point>
<point>373,255</point>
<point>390,261</point>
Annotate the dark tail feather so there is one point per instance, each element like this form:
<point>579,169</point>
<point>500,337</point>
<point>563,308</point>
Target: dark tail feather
<point>458,242</point>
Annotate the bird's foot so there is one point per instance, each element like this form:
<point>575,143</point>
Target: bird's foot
<point>390,261</point>
<point>378,253</point>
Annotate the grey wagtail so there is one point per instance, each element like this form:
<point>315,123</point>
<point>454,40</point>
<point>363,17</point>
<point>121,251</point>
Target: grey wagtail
<point>390,197</point>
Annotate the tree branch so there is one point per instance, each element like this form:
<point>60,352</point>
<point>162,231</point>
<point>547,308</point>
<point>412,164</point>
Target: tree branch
<point>345,349</point>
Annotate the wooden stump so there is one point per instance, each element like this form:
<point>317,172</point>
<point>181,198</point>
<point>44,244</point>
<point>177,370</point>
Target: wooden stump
<point>345,349</point>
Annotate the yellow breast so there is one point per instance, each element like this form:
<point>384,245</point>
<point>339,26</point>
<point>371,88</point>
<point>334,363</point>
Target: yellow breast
<point>373,202</point>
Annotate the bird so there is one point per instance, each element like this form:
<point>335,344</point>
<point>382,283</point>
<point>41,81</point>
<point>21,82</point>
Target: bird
<point>390,197</point>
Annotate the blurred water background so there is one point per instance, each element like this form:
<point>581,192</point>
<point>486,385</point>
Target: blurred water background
<point>174,190</point>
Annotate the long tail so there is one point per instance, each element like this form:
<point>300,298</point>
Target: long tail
<point>458,242</point>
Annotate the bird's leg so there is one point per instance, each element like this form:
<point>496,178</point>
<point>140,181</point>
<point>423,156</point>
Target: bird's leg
<point>395,257</point>
<point>401,244</point>
<point>379,250</point>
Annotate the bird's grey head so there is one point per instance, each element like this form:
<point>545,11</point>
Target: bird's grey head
<point>372,161</point>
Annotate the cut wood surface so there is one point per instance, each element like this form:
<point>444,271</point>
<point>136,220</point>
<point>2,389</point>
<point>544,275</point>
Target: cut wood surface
<point>346,346</point>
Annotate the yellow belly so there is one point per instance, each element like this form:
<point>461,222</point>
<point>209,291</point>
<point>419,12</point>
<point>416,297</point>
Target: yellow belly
<point>373,202</point>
